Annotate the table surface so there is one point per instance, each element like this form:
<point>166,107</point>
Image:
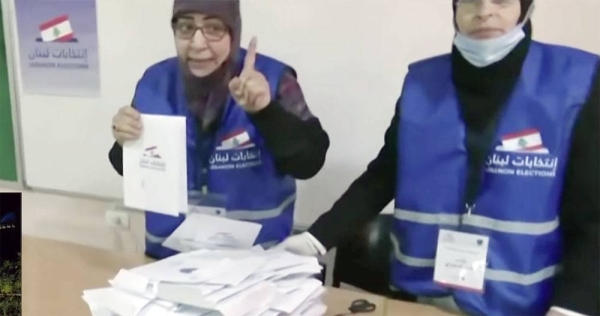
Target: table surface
<point>339,300</point>
<point>56,273</point>
<point>400,308</point>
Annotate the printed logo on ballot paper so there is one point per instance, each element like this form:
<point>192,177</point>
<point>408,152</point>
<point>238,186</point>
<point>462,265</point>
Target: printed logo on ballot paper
<point>151,159</point>
<point>235,151</point>
<point>522,154</point>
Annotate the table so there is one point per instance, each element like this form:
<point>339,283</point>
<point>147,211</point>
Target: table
<point>56,273</point>
<point>399,308</point>
<point>338,301</point>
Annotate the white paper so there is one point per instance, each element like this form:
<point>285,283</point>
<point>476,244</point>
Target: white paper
<point>155,166</point>
<point>110,301</point>
<point>229,291</point>
<point>271,312</point>
<point>258,312</point>
<point>244,268</point>
<point>199,230</point>
<point>294,299</point>
<point>134,283</point>
<point>248,282</point>
<point>250,299</point>
<point>280,260</point>
<point>118,302</point>
<point>94,299</point>
<point>461,260</point>
<point>311,301</point>
<point>190,268</point>
<point>315,310</point>
<point>184,294</point>
<point>294,272</point>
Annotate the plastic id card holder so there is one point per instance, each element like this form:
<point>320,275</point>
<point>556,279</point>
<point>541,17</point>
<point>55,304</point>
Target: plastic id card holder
<point>461,260</point>
<point>207,203</point>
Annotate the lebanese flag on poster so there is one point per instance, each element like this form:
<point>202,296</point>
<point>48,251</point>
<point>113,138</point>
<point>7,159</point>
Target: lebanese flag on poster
<point>528,140</point>
<point>57,30</point>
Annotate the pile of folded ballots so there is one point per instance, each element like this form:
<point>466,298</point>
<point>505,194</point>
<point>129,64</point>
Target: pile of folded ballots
<point>241,282</point>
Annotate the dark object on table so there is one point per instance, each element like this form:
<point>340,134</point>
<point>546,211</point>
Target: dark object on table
<point>363,261</point>
<point>360,306</point>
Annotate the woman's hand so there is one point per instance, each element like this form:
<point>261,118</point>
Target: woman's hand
<point>251,89</point>
<point>127,125</point>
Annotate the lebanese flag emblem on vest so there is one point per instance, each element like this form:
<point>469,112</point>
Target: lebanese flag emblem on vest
<point>238,139</point>
<point>57,30</point>
<point>526,141</point>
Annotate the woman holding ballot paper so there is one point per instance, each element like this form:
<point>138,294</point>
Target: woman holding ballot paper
<point>238,103</point>
<point>493,162</point>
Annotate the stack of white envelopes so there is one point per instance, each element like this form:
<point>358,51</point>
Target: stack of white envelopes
<point>244,282</point>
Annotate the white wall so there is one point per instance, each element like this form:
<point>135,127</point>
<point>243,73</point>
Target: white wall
<point>77,220</point>
<point>351,57</point>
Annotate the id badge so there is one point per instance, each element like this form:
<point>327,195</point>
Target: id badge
<point>461,260</point>
<point>207,203</point>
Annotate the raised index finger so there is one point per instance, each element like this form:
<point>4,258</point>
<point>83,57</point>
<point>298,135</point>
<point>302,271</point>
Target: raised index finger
<point>251,55</point>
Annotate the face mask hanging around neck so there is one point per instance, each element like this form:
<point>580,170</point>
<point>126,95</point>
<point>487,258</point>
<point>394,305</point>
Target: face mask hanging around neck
<point>482,53</point>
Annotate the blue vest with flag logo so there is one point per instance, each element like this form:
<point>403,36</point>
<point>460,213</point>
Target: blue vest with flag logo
<point>522,180</point>
<point>234,162</point>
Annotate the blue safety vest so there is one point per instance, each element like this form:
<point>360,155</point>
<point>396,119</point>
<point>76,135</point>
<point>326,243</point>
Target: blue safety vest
<point>522,180</point>
<point>234,162</point>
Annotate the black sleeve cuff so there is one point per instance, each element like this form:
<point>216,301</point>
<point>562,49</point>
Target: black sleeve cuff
<point>115,155</point>
<point>299,147</point>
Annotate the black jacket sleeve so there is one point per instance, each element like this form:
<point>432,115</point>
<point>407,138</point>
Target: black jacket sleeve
<point>298,146</point>
<point>365,198</point>
<point>578,285</point>
<point>115,155</point>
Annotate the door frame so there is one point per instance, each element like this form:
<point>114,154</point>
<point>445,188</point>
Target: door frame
<point>11,50</point>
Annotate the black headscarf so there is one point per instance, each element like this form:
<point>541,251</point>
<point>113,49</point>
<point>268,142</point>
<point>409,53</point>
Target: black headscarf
<point>206,96</point>
<point>482,91</point>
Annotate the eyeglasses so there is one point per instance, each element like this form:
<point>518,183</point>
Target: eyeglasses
<point>213,31</point>
<point>479,2</point>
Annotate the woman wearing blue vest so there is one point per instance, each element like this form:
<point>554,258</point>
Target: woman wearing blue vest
<point>238,104</point>
<point>493,162</point>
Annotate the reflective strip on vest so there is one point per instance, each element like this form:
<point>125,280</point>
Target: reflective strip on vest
<point>155,239</point>
<point>490,274</point>
<point>261,214</point>
<point>511,227</point>
<point>430,219</point>
<point>408,260</point>
<point>520,278</point>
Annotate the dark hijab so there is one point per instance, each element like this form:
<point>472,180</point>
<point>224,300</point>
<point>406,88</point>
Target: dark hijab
<point>484,90</point>
<point>206,96</point>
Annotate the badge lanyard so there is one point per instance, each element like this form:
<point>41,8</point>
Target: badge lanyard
<point>475,170</point>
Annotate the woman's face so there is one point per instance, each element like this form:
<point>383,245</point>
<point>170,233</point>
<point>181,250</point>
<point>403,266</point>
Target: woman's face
<point>485,19</point>
<point>206,49</point>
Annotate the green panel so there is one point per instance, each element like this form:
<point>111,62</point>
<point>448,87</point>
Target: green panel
<point>8,161</point>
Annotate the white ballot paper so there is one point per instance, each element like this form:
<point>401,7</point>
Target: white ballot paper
<point>155,166</point>
<point>232,282</point>
<point>200,231</point>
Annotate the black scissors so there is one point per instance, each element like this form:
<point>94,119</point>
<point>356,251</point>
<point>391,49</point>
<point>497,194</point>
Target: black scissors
<point>360,306</point>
